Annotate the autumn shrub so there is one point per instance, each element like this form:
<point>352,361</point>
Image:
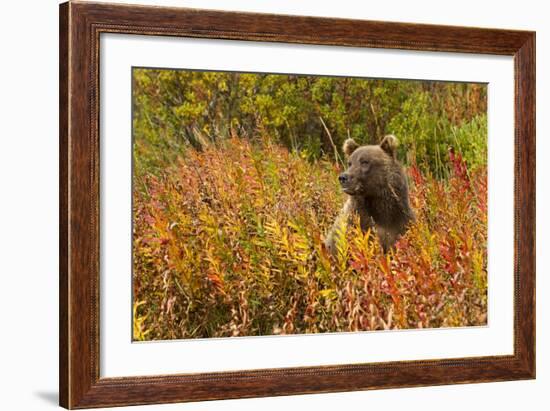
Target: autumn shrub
<point>228,241</point>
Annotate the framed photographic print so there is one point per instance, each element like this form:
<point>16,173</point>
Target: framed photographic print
<point>256,205</point>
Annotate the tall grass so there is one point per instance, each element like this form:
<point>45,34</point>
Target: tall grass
<point>228,241</point>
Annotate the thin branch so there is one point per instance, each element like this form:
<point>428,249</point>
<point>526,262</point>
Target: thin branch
<point>336,154</point>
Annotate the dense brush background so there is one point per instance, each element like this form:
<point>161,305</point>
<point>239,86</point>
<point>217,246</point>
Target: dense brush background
<point>235,185</point>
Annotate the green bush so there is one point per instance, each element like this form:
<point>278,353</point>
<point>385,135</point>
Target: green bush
<point>177,109</point>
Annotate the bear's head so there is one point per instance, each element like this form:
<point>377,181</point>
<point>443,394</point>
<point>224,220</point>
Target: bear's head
<point>369,167</point>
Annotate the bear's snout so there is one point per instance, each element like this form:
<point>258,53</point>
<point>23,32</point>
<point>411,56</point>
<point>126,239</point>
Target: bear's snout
<point>343,178</point>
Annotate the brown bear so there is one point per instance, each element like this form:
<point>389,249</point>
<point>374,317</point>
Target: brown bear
<point>378,192</point>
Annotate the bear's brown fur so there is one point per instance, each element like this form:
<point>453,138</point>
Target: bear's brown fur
<point>378,192</point>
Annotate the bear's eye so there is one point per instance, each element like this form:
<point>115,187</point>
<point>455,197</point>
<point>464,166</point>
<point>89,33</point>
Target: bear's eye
<point>349,163</point>
<point>364,162</point>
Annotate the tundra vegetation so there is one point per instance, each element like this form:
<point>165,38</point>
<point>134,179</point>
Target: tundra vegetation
<point>236,184</point>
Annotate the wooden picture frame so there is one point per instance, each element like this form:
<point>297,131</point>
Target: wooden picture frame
<point>80,27</point>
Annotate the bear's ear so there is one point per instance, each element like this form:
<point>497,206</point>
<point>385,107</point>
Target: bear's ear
<point>389,144</point>
<point>349,146</point>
